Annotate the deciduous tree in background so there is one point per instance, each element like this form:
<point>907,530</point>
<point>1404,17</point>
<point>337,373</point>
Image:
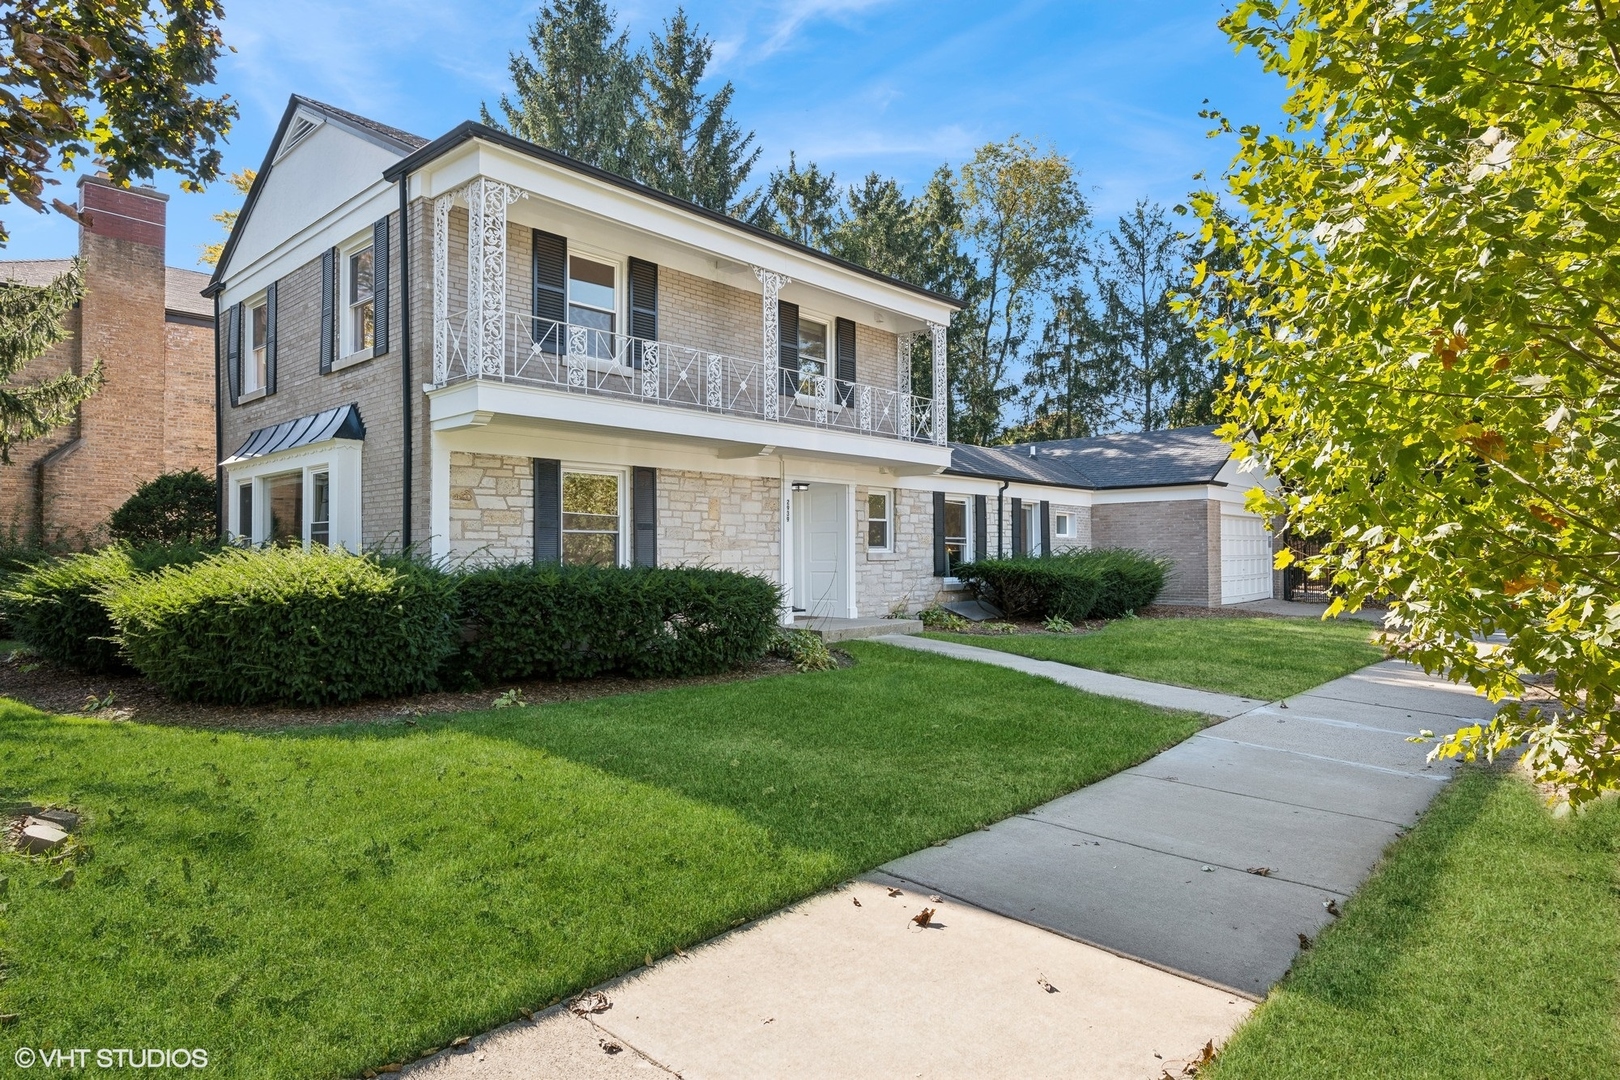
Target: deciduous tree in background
<point>1429,340</point>
<point>242,181</point>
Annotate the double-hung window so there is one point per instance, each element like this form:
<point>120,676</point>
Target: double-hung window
<point>244,513</point>
<point>958,542</point>
<point>362,302</point>
<point>320,509</point>
<point>255,364</point>
<point>813,343</point>
<point>593,305</point>
<point>592,513</point>
<point>879,520</point>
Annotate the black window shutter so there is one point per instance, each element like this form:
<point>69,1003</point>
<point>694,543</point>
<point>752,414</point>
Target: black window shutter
<point>328,308</point>
<point>644,512</point>
<point>550,291</point>
<point>1018,528</point>
<point>379,286</point>
<point>787,345</point>
<point>547,511</point>
<point>941,566</point>
<point>981,527</point>
<point>1046,527</point>
<point>233,350</point>
<point>270,339</point>
<point>643,305</point>
<point>844,331</point>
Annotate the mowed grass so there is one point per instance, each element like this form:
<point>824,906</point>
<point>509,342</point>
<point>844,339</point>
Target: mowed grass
<point>317,902</point>
<point>1487,946</point>
<point>1258,658</point>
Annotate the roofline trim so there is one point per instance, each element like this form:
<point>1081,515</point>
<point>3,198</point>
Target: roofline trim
<point>469,130</point>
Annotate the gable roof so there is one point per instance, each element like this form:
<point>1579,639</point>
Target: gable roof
<point>1126,460</point>
<point>392,138</point>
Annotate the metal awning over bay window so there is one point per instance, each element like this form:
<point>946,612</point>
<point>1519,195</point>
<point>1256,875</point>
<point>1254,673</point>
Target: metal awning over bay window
<point>591,328</point>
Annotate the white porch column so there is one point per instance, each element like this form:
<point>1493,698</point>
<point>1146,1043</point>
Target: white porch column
<point>438,496</point>
<point>771,383</point>
<point>902,359</point>
<point>441,289</point>
<point>937,332</point>
<point>486,274</point>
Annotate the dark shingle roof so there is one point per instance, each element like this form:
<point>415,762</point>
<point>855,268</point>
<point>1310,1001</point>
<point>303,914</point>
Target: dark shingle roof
<point>1127,460</point>
<point>405,139</point>
<point>342,422</point>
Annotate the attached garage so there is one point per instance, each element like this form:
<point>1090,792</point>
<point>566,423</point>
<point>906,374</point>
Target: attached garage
<point>1245,558</point>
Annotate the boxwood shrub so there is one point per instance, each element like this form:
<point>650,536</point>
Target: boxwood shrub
<point>55,607</point>
<point>282,625</point>
<point>576,622</point>
<point>1097,584</point>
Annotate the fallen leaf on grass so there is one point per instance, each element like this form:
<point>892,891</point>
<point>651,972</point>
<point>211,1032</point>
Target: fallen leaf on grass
<point>1044,985</point>
<point>527,1013</point>
<point>922,917</point>
<point>591,1001</point>
<point>1304,942</point>
<point>680,951</point>
<point>648,961</point>
<point>1259,871</point>
<point>459,1041</point>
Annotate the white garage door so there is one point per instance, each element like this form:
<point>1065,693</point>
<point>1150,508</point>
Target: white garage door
<point>1245,559</point>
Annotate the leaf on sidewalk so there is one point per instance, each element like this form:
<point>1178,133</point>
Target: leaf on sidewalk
<point>923,917</point>
<point>1259,871</point>
<point>856,900</point>
<point>1304,942</point>
<point>591,1001</point>
<point>895,892</point>
<point>1044,985</point>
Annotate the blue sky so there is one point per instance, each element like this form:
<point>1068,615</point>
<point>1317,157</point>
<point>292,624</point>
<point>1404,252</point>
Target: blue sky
<point>857,85</point>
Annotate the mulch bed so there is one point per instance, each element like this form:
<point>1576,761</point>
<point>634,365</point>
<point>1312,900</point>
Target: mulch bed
<point>62,690</point>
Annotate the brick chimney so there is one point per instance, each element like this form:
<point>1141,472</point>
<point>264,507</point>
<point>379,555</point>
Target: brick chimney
<point>135,214</point>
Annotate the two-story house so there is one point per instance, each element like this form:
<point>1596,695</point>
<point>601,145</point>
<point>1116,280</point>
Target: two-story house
<point>490,351</point>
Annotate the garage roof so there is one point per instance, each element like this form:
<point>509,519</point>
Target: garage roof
<point>1126,460</point>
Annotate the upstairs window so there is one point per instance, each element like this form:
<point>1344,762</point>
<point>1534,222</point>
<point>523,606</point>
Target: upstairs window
<point>258,328</point>
<point>813,341</point>
<point>593,303</point>
<point>362,320</point>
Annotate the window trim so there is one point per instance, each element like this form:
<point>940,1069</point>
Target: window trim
<point>621,297</point>
<point>340,459</point>
<point>249,358</point>
<point>1062,525</point>
<point>829,363</point>
<point>622,555</point>
<point>348,351</point>
<point>887,519</point>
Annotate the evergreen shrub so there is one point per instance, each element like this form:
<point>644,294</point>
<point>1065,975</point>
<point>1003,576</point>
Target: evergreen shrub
<point>282,625</point>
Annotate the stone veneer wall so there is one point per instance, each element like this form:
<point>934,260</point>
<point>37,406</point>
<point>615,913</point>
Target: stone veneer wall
<point>901,579</point>
<point>491,508</point>
<point>728,522</point>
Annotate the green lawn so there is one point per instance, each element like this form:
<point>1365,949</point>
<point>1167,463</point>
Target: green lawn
<point>1259,658</point>
<point>314,902</point>
<point>1487,946</point>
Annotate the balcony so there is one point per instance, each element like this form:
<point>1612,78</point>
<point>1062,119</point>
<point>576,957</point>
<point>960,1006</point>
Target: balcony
<point>576,359</point>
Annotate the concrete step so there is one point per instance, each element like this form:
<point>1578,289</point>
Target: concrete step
<point>831,630</point>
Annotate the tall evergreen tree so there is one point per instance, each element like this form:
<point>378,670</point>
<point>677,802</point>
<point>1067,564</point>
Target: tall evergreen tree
<point>31,321</point>
<point>800,204</point>
<point>1070,378</point>
<point>687,144</point>
<point>576,89</point>
<point>1141,266</point>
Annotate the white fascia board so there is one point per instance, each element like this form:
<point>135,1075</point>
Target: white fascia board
<point>611,203</point>
<point>479,402</point>
<point>294,458</point>
<point>1177,493</point>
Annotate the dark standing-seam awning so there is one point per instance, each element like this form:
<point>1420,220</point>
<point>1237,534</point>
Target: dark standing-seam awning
<point>342,422</point>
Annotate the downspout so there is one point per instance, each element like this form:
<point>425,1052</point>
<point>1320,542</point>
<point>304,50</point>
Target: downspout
<point>41,466</point>
<point>222,509</point>
<point>1000,522</point>
<point>405,355</point>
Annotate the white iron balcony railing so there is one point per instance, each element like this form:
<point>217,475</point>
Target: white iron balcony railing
<point>582,359</point>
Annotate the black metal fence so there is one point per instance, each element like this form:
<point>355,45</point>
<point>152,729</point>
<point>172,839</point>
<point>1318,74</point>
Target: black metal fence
<point>1297,583</point>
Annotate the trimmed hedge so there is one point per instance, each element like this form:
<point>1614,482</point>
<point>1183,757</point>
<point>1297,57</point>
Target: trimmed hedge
<point>576,622</point>
<point>170,508</point>
<point>55,607</point>
<point>287,626</point>
<point>1098,584</point>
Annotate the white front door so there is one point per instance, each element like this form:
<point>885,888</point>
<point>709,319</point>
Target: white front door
<point>1245,559</point>
<point>820,542</point>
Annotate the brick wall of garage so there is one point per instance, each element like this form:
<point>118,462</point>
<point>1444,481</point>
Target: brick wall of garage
<point>1187,532</point>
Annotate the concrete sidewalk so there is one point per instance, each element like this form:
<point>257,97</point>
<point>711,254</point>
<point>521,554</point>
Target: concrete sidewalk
<point>1161,862</point>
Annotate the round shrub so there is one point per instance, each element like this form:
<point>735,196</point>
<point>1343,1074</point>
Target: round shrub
<point>576,622</point>
<point>56,608</point>
<point>170,508</point>
<point>1088,584</point>
<point>287,626</point>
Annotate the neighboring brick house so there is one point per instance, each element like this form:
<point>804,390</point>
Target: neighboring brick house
<point>153,331</point>
<point>492,352</point>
